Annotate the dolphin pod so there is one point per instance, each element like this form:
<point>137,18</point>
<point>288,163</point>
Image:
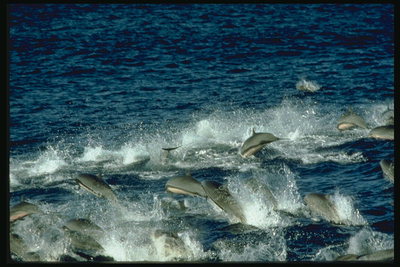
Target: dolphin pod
<point>351,120</point>
<point>96,186</point>
<point>385,132</point>
<point>22,209</point>
<point>321,205</point>
<point>380,255</point>
<point>256,142</point>
<point>216,192</point>
<point>388,169</point>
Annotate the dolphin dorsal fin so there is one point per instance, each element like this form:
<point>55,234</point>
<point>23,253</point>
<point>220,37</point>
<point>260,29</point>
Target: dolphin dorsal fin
<point>254,131</point>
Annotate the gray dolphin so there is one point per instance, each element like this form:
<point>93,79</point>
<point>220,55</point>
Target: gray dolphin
<point>382,132</point>
<point>169,245</point>
<point>96,186</point>
<point>380,255</point>
<point>84,226</point>
<point>388,169</point>
<point>20,249</point>
<point>351,120</point>
<point>220,195</point>
<point>185,185</point>
<point>320,204</point>
<point>262,188</point>
<point>22,209</point>
<point>256,142</point>
<point>83,244</point>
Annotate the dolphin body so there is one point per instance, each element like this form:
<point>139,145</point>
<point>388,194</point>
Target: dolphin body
<point>256,142</point>
<point>220,195</point>
<point>380,255</point>
<point>22,209</point>
<point>263,189</point>
<point>19,249</point>
<point>388,169</point>
<point>350,120</point>
<point>185,185</point>
<point>96,186</point>
<point>84,226</point>
<point>321,205</point>
<point>385,132</point>
<point>169,245</point>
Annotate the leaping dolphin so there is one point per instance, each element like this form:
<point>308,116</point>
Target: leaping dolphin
<point>262,188</point>
<point>84,226</point>
<point>388,169</point>
<point>220,195</point>
<point>350,120</point>
<point>382,132</point>
<point>22,209</point>
<point>320,204</point>
<point>256,142</point>
<point>186,185</point>
<point>96,186</point>
<point>169,245</point>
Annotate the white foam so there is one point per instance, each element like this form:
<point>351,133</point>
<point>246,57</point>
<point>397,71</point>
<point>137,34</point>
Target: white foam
<point>307,85</point>
<point>347,213</point>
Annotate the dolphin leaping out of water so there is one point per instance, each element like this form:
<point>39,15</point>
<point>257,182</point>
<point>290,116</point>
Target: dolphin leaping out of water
<point>22,209</point>
<point>382,132</point>
<point>96,186</point>
<point>185,185</point>
<point>220,195</point>
<point>256,142</point>
<point>216,192</point>
<point>321,205</point>
<point>351,120</point>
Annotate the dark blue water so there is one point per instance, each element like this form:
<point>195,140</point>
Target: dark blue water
<point>102,88</point>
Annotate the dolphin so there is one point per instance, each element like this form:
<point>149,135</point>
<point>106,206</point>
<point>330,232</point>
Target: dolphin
<point>19,249</point>
<point>388,169</point>
<point>320,204</point>
<point>380,255</point>
<point>350,120</point>
<point>256,142</point>
<point>347,257</point>
<point>382,132</point>
<point>169,245</point>
<point>185,185</point>
<point>84,226</point>
<point>96,186</point>
<point>22,209</point>
<point>257,186</point>
<point>83,245</point>
<point>220,195</point>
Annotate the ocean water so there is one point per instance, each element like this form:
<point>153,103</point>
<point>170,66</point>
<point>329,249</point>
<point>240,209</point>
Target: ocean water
<point>102,88</point>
